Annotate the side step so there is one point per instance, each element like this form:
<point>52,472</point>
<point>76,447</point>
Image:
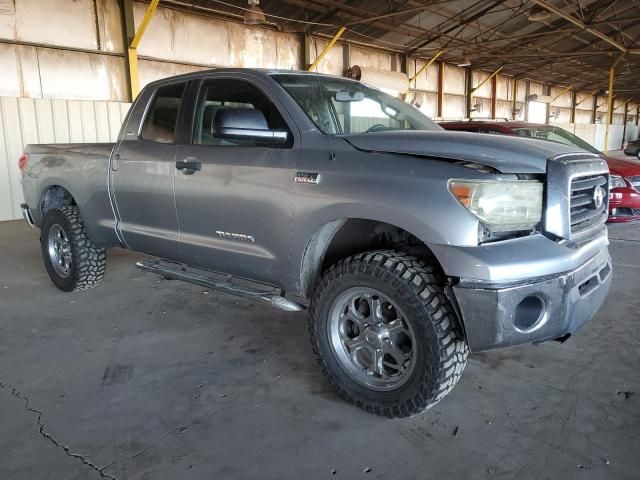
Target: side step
<point>218,281</point>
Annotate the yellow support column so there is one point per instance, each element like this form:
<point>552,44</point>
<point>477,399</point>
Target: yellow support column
<point>326,49</point>
<point>134,73</point>
<point>426,65</point>
<point>612,71</point>
<point>564,90</point>
<point>487,79</point>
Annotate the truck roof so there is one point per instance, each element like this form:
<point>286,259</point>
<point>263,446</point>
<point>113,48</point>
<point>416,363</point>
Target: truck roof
<point>483,122</point>
<point>261,72</point>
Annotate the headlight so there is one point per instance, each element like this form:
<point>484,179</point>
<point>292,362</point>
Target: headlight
<point>616,181</point>
<point>502,206</point>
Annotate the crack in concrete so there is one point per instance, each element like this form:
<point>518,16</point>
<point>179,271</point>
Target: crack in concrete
<point>16,393</point>
<point>179,429</point>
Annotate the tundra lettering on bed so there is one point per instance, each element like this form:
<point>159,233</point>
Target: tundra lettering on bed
<point>409,246</point>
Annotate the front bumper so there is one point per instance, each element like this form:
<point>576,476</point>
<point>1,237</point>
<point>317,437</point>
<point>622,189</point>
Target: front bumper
<point>623,205</point>
<point>534,312</point>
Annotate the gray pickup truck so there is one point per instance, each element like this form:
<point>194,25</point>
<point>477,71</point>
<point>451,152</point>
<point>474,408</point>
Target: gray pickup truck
<point>410,246</point>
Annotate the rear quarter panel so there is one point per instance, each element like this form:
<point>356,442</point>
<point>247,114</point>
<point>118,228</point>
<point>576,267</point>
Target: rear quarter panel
<point>82,169</point>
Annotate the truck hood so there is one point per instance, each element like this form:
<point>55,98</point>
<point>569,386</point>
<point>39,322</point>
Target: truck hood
<point>623,166</point>
<point>504,153</point>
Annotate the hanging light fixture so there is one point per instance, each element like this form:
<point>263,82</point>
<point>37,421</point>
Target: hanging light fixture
<point>538,14</point>
<point>254,14</point>
<point>465,62</point>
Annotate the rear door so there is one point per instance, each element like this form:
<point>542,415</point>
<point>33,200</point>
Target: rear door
<point>235,211</point>
<point>143,172</point>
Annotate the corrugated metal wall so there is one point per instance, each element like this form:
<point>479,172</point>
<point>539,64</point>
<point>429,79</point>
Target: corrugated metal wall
<point>27,120</point>
<point>594,133</point>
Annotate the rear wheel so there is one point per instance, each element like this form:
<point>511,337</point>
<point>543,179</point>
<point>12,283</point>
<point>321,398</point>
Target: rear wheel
<point>72,261</point>
<point>385,333</point>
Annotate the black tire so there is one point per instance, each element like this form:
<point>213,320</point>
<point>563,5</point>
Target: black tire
<point>87,262</point>
<point>441,352</point>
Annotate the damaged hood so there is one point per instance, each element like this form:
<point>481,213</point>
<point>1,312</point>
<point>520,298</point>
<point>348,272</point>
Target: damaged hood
<point>504,153</point>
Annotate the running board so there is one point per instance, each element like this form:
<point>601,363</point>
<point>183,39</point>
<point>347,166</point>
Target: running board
<point>218,281</point>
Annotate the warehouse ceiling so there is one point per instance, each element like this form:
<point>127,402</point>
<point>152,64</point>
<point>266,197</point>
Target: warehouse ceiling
<point>562,42</point>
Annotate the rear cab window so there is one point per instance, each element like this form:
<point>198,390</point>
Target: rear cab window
<point>162,116</point>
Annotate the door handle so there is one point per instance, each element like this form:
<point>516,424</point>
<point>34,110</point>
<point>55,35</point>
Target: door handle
<point>115,162</point>
<point>189,165</point>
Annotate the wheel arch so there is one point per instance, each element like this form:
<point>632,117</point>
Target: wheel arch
<point>340,238</point>
<point>55,196</point>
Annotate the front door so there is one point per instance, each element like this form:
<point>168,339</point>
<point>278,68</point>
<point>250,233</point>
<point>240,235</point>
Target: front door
<point>234,207</point>
<point>142,175</point>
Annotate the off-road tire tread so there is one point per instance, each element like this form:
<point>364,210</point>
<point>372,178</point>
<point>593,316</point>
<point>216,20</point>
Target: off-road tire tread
<point>427,285</point>
<point>90,262</point>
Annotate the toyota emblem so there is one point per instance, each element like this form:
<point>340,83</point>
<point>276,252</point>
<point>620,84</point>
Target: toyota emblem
<point>598,196</point>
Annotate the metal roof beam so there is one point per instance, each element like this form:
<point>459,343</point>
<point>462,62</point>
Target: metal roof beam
<point>461,23</point>
<point>580,24</point>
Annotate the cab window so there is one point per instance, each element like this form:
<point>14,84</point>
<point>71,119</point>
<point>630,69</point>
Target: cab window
<point>220,96</point>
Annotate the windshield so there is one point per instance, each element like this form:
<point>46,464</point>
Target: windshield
<point>554,134</point>
<point>341,106</point>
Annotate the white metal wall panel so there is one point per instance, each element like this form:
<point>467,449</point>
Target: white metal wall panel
<point>13,141</point>
<point>504,87</point>
<point>479,76</point>
<point>633,132</point>
<point>454,106</point>
<point>583,116</point>
<point>110,25</point>
<point>10,84</point>
<point>521,91</point>
<point>332,61</point>
<point>427,80</point>
<point>559,114</point>
<point>26,120</point>
<point>504,109</point>
<point>369,58</point>
<point>454,80</point>
<point>6,193</point>
<point>594,134</point>
<point>56,22</point>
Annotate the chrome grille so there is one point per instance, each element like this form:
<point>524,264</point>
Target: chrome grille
<point>570,210</point>
<point>585,214</point>
<point>635,181</point>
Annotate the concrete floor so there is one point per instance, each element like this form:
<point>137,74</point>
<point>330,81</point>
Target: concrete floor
<point>144,378</point>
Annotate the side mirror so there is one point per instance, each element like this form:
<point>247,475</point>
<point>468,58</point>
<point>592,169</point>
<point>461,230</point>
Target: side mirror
<point>246,125</point>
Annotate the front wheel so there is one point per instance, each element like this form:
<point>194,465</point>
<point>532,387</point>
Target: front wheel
<point>72,261</point>
<point>385,333</point>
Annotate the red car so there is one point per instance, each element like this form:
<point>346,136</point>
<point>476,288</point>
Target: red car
<point>624,183</point>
